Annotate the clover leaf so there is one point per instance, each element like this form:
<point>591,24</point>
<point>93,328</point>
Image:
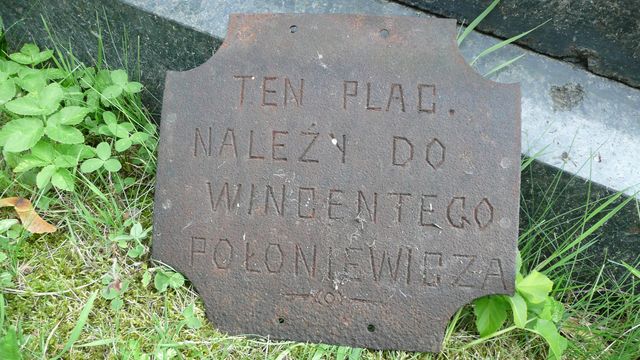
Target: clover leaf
<point>136,235</point>
<point>126,142</point>
<point>103,160</point>
<point>190,318</point>
<point>120,82</point>
<point>114,290</point>
<point>113,128</point>
<point>166,278</point>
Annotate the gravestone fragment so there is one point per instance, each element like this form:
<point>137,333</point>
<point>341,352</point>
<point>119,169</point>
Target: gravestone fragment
<point>321,178</point>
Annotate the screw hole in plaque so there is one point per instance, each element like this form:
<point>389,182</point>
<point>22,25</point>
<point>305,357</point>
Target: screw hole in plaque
<point>371,328</point>
<point>384,33</point>
<point>293,28</point>
<point>280,320</point>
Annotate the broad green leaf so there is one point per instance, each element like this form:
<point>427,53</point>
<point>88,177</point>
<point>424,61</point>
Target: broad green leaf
<point>191,319</point>
<point>119,130</point>
<point>164,279</point>
<point>119,77</point>
<point>109,118</point>
<point>62,179</point>
<point>136,251</point>
<point>112,165</point>
<point>41,57</point>
<point>6,224</point>
<point>29,162</point>
<point>12,68</point>
<point>93,100</point>
<point>112,92</point>
<point>50,98</point>
<point>9,347</point>
<point>133,87</point>
<point>136,231</point>
<point>21,58</point>
<point>44,102</point>
<point>123,144</point>
<point>54,73</point>
<point>146,278</point>
<point>518,262</point>
<point>43,150</point>
<point>535,287</point>
<point>553,310</point>
<point>29,49</point>
<point>33,82</point>
<point>491,312</point>
<point>103,150</point>
<point>44,176</point>
<point>6,279</point>
<point>176,280</point>
<point>25,105</point>
<point>109,293</point>
<point>91,165</point>
<point>70,115</point>
<point>104,130</point>
<point>7,90</point>
<point>102,79</point>
<point>117,303</point>
<point>74,96</point>
<point>519,309</point>
<point>84,151</point>
<point>21,134</point>
<point>30,54</point>
<point>547,329</point>
<point>25,70</point>
<point>161,281</point>
<point>139,137</point>
<point>66,161</point>
<point>64,134</point>
<point>127,126</point>
<point>9,67</point>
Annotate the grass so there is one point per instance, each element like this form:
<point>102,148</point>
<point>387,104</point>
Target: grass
<point>53,303</point>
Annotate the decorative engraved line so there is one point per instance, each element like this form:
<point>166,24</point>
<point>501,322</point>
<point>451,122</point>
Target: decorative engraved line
<point>362,300</point>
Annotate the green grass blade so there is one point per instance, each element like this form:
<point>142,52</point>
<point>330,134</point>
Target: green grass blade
<point>505,43</point>
<point>632,270</point>
<point>82,321</point>
<point>100,342</point>
<point>477,21</point>
<point>504,64</point>
<point>585,234</point>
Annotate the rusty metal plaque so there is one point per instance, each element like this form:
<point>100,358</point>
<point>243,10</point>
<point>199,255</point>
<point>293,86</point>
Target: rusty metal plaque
<point>339,179</point>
